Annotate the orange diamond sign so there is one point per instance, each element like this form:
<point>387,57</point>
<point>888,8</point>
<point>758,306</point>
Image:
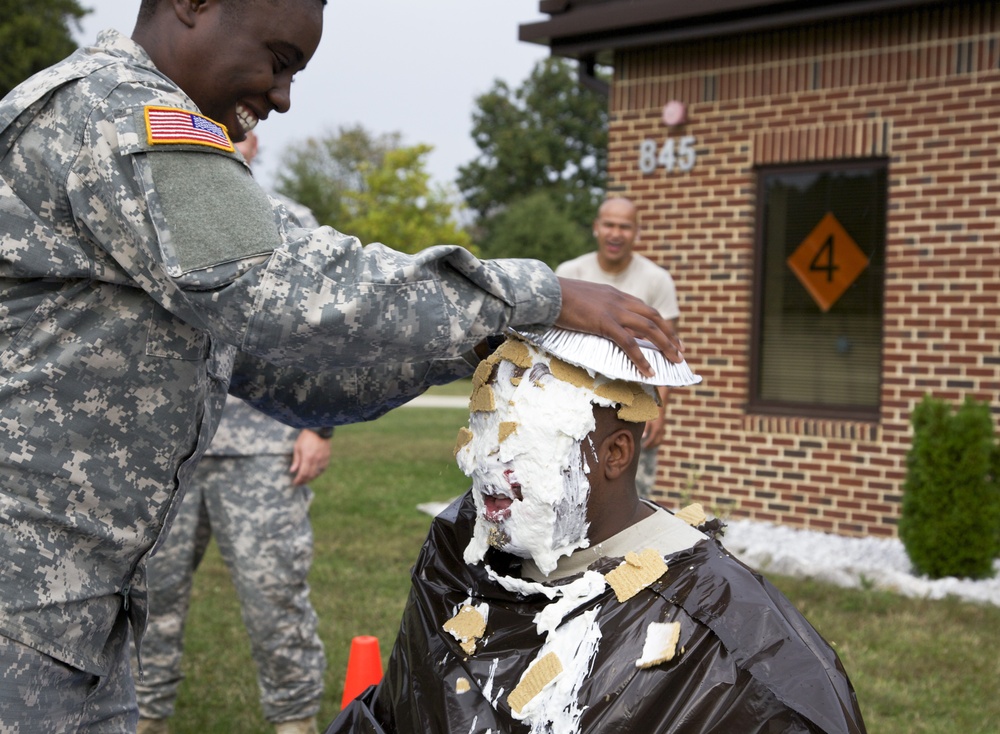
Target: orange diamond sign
<point>827,262</point>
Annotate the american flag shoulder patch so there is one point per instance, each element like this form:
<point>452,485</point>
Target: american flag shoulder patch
<point>172,125</point>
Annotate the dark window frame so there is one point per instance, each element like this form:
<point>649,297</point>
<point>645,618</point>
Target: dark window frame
<point>756,404</point>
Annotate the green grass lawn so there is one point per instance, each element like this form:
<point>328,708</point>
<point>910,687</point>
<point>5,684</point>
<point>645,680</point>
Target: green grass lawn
<point>458,387</point>
<point>918,666</point>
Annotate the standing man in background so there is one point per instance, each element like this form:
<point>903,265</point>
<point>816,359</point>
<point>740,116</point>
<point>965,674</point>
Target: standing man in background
<point>614,263</point>
<point>250,492</point>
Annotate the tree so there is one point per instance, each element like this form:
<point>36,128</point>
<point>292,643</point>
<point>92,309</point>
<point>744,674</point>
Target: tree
<point>372,188</point>
<point>316,173</point>
<point>536,226</point>
<point>397,206</point>
<point>550,135</point>
<point>34,34</point>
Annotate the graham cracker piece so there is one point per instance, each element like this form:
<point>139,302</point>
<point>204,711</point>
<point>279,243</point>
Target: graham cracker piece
<point>637,406</point>
<point>482,374</point>
<point>635,573</point>
<point>571,373</point>
<point>464,436</point>
<point>694,514</point>
<point>462,685</point>
<point>506,429</point>
<point>482,400</point>
<point>495,538</point>
<point>515,351</point>
<point>643,408</point>
<point>467,627</point>
<point>617,390</point>
<point>660,645</point>
<point>539,675</point>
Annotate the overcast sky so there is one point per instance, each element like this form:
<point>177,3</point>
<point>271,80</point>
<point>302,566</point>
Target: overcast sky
<point>408,66</point>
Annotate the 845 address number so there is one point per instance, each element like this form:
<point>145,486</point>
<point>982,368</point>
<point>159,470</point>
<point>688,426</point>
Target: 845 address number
<point>673,155</point>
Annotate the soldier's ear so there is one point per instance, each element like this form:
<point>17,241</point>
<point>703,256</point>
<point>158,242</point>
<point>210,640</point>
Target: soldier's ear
<point>187,11</point>
<point>616,453</point>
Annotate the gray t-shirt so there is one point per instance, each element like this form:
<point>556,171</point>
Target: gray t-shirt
<point>642,278</point>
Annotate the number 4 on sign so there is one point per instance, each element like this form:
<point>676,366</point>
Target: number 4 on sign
<point>824,260</point>
<point>827,262</point>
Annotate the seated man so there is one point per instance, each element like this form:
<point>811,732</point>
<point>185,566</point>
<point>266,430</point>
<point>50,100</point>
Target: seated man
<point>550,598</point>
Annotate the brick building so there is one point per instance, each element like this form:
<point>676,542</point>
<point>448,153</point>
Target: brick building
<point>821,179</point>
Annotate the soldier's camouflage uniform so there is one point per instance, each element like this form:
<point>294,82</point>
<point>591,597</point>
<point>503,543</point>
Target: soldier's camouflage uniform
<point>130,272</point>
<point>242,494</point>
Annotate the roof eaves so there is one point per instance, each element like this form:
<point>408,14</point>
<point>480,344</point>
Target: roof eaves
<point>596,31</point>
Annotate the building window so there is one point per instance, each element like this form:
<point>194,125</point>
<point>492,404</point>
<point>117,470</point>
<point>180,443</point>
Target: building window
<point>817,342</point>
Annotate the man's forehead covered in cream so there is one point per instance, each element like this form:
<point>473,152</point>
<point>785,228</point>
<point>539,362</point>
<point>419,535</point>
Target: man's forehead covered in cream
<point>636,402</point>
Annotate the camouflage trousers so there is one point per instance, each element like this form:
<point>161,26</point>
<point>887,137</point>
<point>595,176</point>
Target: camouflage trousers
<point>41,694</point>
<point>261,525</point>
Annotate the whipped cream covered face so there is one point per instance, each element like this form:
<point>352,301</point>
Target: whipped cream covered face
<point>524,451</point>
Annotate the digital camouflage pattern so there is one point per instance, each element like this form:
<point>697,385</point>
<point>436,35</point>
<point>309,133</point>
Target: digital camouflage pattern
<point>260,522</point>
<point>116,353</point>
<point>35,688</point>
<point>245,431</point>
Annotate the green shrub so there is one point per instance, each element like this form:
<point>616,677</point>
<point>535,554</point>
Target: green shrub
<point>951,495</point>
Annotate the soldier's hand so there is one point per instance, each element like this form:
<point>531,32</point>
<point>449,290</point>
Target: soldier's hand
<point>310,456</point>
<point>606,311</point>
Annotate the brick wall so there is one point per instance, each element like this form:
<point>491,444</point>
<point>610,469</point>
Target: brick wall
<point>921,88</point>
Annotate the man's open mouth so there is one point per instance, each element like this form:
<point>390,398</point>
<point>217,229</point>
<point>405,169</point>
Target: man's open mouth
<point>498,504</point>
<point>497,508</point>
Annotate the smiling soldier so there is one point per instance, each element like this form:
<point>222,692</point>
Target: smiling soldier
<point>143,274</point>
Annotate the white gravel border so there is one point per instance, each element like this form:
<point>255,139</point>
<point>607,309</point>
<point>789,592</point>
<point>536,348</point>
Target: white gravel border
<point>850,562</point>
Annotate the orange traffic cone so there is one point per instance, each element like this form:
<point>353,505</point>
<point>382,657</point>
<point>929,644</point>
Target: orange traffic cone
<point>364,667</point>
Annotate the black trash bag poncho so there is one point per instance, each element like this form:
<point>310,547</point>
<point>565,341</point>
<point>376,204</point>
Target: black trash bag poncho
<point>747,660</point>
